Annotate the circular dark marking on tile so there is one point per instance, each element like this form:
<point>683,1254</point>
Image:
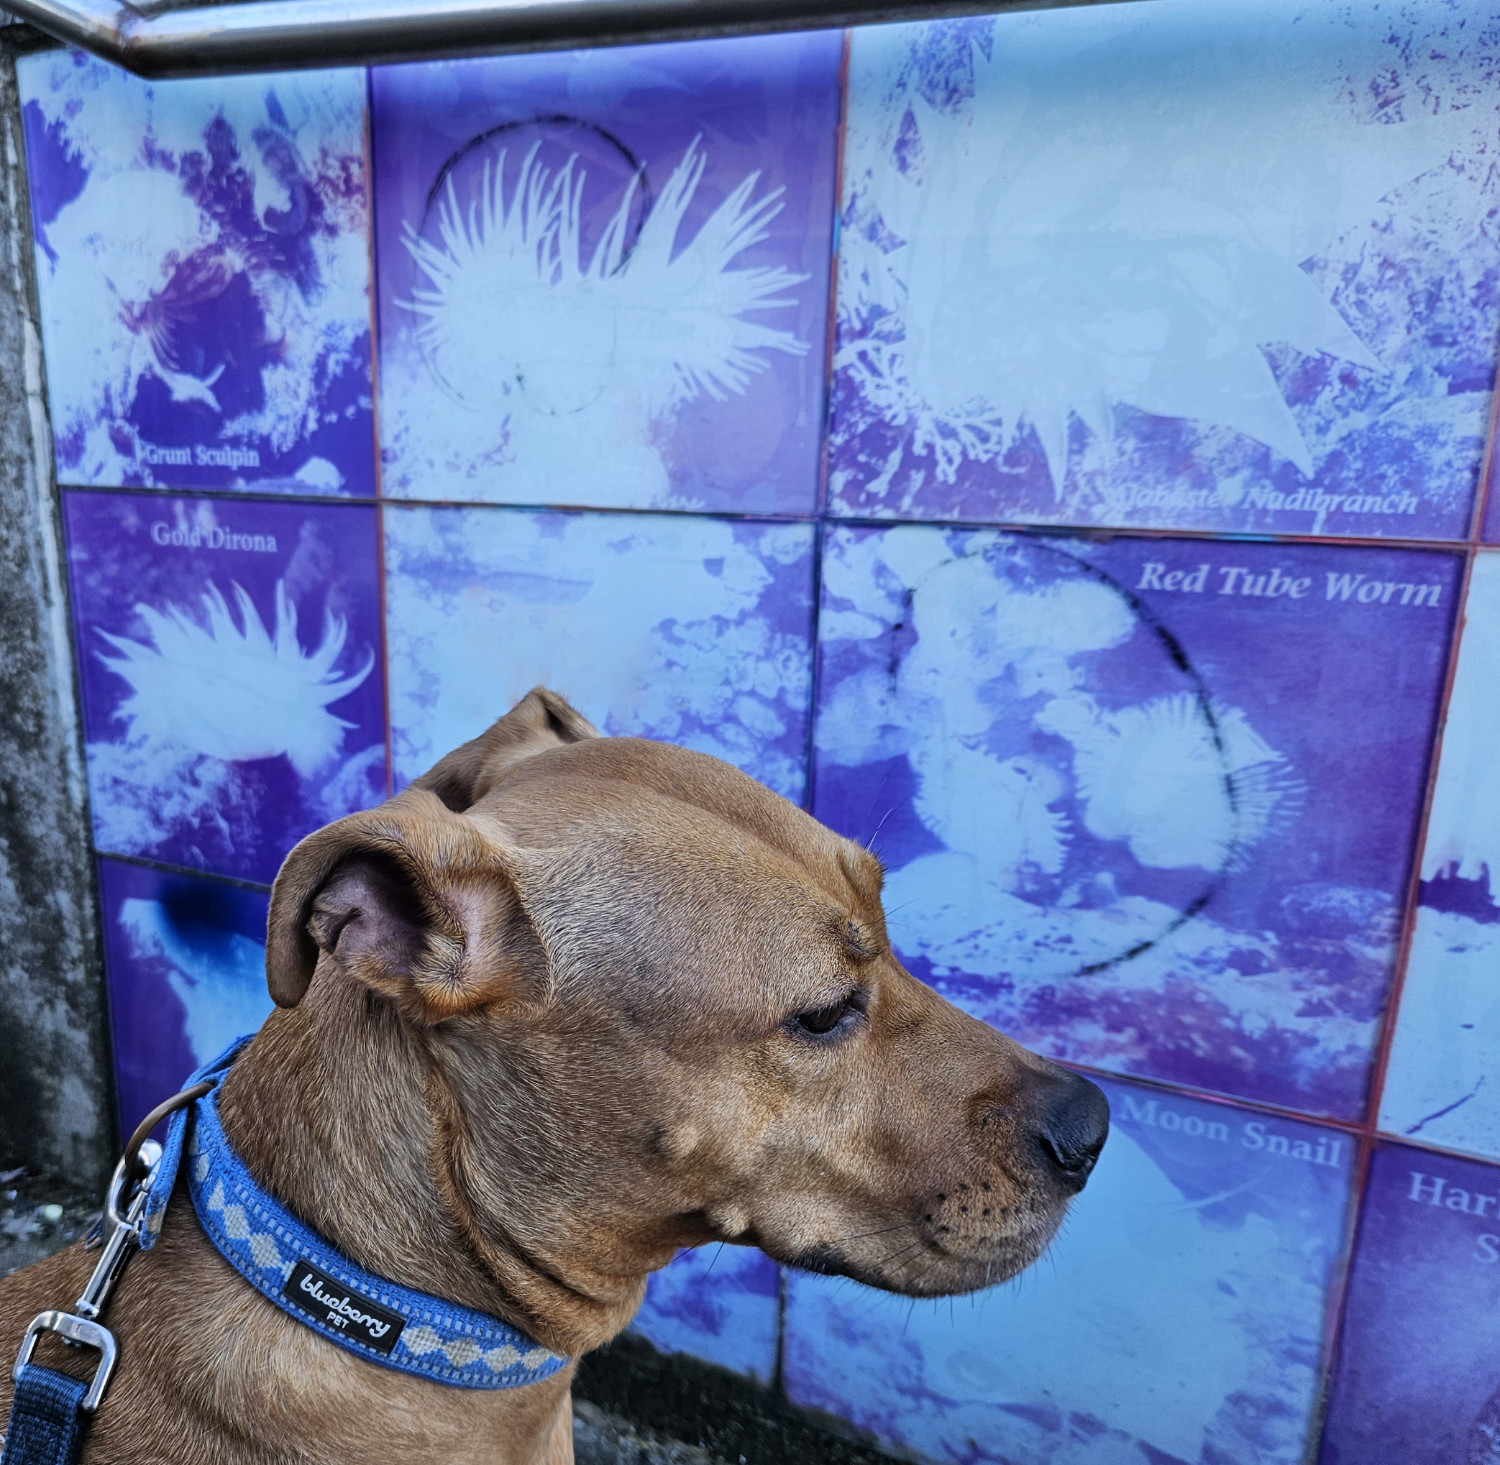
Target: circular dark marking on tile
<point>1174,653</point>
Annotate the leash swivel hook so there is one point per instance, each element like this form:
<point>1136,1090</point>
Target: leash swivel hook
<point>120,1232</point>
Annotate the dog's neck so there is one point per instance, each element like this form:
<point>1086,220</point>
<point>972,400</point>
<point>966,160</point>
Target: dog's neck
<point>343,1112</point>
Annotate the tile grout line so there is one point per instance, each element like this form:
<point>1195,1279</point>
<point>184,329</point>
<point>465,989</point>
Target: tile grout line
<point>377,465</point>
<point>819,541</point>
<point>164,867</point>
<point>1033,528</point>
<point>820,520</point>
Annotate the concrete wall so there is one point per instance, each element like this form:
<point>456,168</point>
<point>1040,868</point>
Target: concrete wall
<point>55,1093</point>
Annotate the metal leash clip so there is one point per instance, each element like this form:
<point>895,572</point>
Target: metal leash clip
<point>120,1232</point>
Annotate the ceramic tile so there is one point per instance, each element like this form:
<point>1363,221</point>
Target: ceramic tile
<point>1178,1317</point>
<point>718,1303</point>
<point>1176,265</point>
<point>603,275</point>
<point>1417,1380</point>
<point>1446,1046</point>
<point>694,631</point>
<point>185,959</point>
<point>202,255</point>
<point>1146,805</point>
<point>228,656</point>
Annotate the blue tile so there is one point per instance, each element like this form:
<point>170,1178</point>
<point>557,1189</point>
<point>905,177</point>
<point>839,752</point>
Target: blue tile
<point>1440,1085</point>
<point>203,261</point>
<point>718,1303</point>
<point>1176,1319</point>
<point>228,652</point>
<point>693,631</point>
<point>1145,805</point>
<point>1417,1380</point>
<point>1179,265</point>
<point>185,959</point>
<point>603,275</point>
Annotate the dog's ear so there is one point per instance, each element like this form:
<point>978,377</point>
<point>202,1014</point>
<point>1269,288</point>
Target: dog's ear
<point>539,721</point>
<point>415,902</point>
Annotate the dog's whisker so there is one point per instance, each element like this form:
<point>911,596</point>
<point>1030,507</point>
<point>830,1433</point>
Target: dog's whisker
<point>870,842</point>
<point>865,1235</point>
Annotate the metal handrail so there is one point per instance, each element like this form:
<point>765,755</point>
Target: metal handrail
<point>281,35</point>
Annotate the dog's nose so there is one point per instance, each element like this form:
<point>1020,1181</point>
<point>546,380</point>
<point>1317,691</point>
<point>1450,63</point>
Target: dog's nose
<point>1074,1123</point>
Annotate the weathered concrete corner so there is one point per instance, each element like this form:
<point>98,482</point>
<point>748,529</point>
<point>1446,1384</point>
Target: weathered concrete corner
<point>55,1093</point>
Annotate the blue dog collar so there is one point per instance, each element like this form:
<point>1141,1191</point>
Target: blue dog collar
<point>309,1280</point>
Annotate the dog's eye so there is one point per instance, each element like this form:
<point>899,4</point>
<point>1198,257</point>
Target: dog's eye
<point>821,1021</point>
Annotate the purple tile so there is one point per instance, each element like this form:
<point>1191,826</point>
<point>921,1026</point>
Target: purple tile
<point>1146,805</point>
<point>1177,1318</point>
<point>229,655</point>
<point>202,256</point>
<point>1418,1374</point>
<point>692,630</point>
<point>718,1303</point>
<point>603,275</point>
<point>1171,266</point>
<point>1439,1086</point>
<point>185,961</point>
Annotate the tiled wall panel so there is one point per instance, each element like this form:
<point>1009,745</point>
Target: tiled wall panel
<point>1441,1085</point>
<point>697,631</point>
<point>202,256</point>
<point>1034,584</point>
<point>1102,780</point>
<point>186,959</point>
<point>1417,1379</point>
<point>1179,265</point>
<point>230,657</point>
<point>604,275</point>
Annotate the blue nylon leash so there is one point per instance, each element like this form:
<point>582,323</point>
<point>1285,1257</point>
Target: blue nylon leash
<point>285,1261</point>
<point>47,1418</point>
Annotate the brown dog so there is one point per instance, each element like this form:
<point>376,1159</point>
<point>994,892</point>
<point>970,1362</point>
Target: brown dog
<point>568,1004</point>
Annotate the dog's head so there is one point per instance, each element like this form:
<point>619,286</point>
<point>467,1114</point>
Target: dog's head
<point>662,1008</point>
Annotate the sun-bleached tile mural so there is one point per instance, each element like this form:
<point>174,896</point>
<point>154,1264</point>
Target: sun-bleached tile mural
<point>1417,1379</point>
<point>603,275</point>
<point>228,656</point>
<point>1101,779</point>
<point>1178,1317</point>
<point>1442,1086</point>
<point>186,958</point>
<point>694,631</point>
<point>1015,557</point>
<point>1179,265</point>
<point>202,258</point>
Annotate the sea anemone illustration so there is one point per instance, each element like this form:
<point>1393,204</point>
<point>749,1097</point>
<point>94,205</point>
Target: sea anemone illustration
<point>513,314</point>
<point>235,692</point>
<point>1181,783</point>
